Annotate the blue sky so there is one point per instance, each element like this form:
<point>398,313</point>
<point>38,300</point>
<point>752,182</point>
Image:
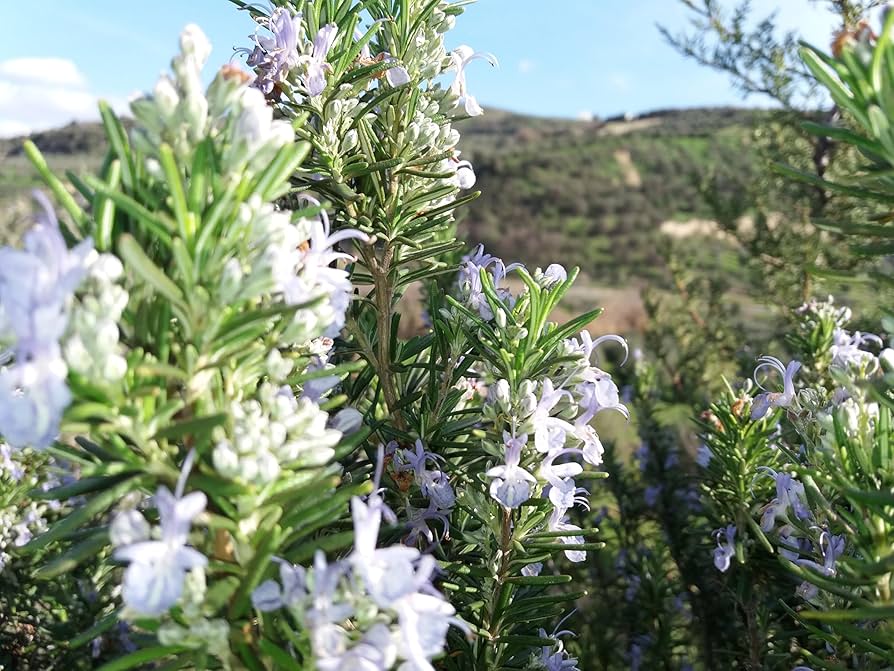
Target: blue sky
<point>564,58</point>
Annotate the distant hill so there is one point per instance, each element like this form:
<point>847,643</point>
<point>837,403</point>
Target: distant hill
<point>587,193</point>
<point>595,194</point>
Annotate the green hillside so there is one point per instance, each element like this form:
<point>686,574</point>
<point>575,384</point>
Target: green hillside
<point>593,194</point>
<point>596,194</point>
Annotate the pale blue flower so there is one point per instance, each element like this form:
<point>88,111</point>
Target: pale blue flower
<point>347,421</point>
<point>703,456</point>
<point>511,485</point>
<point>389,573</point>
<point>532,569</point>
<point>376,651</point>
<point>791,546</point>
<point>289,592</point>
<point>36,286</point>
<point>13,469</point>
<point>317,67</point>
<point>555,657</point>
<point>423,621</point>
<point>33,397</point>
<point>37,282</point>
<point>153,581</point>
<point>831,550</point>
<point>273,57</point>
<point>463,175</point>
<point>553,473</point>
<point>763,402</point>
<point>396,75</point>
<point>324,606</point>
<point>419,519</point>
<point>553,275</point>
<point>559,522</point>
<point>564,494</point>
<point>790,495</point>
<point>599,393</point>
<point>591,446</point>
<point>587,345</point>
<point>469,280</point>
<point>725,550</point>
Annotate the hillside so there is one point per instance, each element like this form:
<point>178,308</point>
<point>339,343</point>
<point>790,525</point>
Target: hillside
<point>593,194</point>
<point>596,194</point>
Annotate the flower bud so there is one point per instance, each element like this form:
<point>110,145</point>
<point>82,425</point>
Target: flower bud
<point>500,318</point>
<point>165,97</point>
<point>278,367</point>
<point>225,459</point>
<point>501,393</point>
<point>349,141</point>
<point>194,43</point>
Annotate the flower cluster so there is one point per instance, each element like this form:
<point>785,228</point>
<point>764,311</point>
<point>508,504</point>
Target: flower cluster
<point>271,431</point>
<point>370,610</point>
<point>180,113</point>
<point>542,422</point>
<point>18,526</point>
<point>295,263</point>
<point>286,48</point>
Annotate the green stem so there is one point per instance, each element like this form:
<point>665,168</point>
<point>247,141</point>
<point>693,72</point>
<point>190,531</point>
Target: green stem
<point>501,594</point>
<point>383,288</point>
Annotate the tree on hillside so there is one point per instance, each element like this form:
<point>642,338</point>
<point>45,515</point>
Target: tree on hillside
<point>784,230</point>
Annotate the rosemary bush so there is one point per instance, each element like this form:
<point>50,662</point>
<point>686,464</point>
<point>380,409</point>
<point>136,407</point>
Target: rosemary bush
<point>252,467</point>
<point>218,452</point>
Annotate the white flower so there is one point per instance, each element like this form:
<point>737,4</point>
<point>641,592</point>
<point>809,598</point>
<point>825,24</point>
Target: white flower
<point>459,60</point>
<point>559,522</point>
<point>464,175</point>
<point>549,431</point>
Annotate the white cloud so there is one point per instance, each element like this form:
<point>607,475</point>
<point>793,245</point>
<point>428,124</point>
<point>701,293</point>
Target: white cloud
<point>585,115</point>
<point>525,66</point>
<point>47,71</point>
<point>41,93</point>
<point>13,128</point>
